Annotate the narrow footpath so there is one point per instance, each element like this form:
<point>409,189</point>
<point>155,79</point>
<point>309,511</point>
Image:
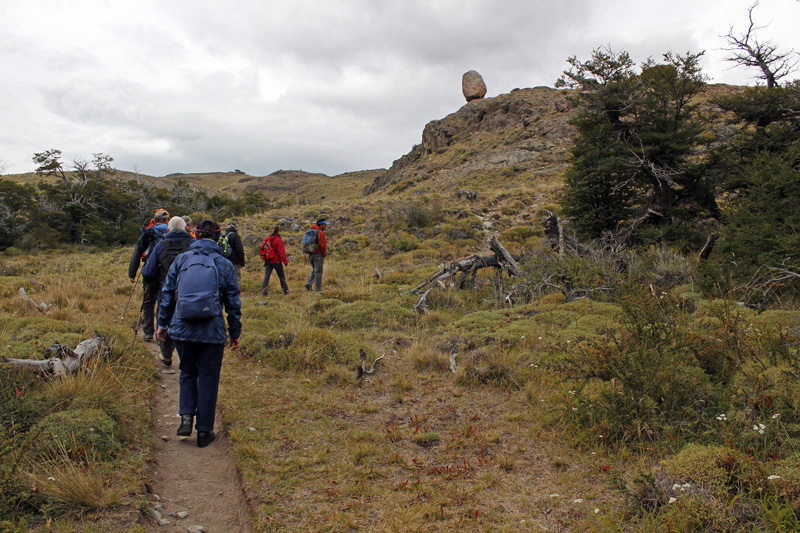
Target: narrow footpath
<point>192,489</point>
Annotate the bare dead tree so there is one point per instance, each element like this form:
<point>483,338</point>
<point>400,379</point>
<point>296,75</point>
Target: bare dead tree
<point>466,270</point>
<point>748,50</point>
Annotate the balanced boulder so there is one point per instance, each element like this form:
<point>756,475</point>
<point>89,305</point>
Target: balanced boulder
<point>472,86</point>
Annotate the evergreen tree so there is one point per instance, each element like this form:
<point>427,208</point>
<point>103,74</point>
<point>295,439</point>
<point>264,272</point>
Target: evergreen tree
<point>634,162</point>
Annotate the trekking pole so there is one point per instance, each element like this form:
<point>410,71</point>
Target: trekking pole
<point>138,323</point>
<point>131,296</point>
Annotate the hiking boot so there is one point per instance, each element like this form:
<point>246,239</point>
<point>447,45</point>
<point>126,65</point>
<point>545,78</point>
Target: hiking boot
<point>204,438</point>
<point>148,338</point>
<point>166,361</point>
<point>308,287</point>
<point>287,292</point>
<point>185,429</point>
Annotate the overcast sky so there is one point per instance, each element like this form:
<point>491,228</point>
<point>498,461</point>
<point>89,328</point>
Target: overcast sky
<point>325,86</point>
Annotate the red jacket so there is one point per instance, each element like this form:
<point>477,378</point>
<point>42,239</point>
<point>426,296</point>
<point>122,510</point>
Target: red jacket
<point>280,250</point>
<point>322,244</point>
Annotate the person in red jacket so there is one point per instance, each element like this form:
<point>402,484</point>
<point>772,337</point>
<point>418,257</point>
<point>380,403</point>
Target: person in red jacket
<point>273,253</point>
<point>317,258</point>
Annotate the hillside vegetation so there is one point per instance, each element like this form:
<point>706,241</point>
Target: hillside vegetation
<point>622,387</point>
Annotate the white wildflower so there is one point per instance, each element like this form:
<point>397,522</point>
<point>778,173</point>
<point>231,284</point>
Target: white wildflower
<point>673,500</point>
<point>596,510</point>
<point>776,415</point>
<point>676,486</point>
<point>51,479</point>
<point>554,495</point>
<point>577,500</point>
<point>773,477</point>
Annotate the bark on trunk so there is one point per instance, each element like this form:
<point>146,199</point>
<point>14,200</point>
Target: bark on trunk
<point>64,360</point>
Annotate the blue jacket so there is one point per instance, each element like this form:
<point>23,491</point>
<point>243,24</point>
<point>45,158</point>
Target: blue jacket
<point>147,237</point>
<point>151,271</point>
<point>211,331</point>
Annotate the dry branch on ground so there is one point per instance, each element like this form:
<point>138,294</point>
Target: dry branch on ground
<point>63,360</point>
<point>467,268</point>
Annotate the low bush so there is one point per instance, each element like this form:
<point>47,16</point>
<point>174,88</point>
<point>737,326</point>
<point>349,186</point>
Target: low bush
<point>87,433</point>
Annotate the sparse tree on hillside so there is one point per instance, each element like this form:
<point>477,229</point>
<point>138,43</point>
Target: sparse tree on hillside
<point>50,164</point>
<point>101,163</point>
<point>748,50</point>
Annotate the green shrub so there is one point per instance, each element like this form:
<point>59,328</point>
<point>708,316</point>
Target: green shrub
<point>12,450</point>
<point>82,432</point>
<point>366,314</point>
<point>656,389</point>
<point>696,513</point>
<point>520,234</point>
<point>400,242</point>
<point>718,469</point>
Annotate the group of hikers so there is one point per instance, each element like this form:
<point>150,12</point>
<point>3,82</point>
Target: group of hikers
<point>191,275</point>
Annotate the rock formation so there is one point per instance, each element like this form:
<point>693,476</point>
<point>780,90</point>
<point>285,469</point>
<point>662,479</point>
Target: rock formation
<point>521,133</point>
<point>472,86</point>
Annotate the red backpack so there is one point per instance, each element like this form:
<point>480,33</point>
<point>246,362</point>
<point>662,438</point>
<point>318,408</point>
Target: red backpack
<point>267,252</point>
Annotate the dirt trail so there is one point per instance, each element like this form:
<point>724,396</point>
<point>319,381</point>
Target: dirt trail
<point>202,482</point>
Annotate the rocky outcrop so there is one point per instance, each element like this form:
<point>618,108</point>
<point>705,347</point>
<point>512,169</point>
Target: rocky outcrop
<point>526,131</point>
<point>472,86</point>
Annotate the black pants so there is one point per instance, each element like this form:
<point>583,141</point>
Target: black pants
<point>148,306</point>
<point>200,366</point>
<point>278,268</point>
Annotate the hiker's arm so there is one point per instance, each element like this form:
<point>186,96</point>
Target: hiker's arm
<point>136,257</point>
<point>230,299</point>
<point>239,247</point>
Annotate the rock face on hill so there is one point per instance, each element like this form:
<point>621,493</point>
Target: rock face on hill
<point>525,133</point>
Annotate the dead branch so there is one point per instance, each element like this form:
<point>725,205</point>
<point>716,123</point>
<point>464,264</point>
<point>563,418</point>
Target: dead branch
<point>362,369</point>
<point>766,281</point>
<point>64,360</point>
<point>707,248</point>
<point>559,241</point>
<point>467,268</point>
<point>453,362</point>
<point>504,258</point>
<point>41,306</point>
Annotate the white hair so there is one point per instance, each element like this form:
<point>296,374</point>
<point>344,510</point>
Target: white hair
<point>176,224</point>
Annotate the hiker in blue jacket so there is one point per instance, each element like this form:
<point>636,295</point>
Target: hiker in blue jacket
<point>200,342</point>
<point>176,241</point>
<point>148,237</point>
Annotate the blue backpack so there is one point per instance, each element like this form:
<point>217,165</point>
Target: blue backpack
<point>309,242</point>
<point>198,288</point>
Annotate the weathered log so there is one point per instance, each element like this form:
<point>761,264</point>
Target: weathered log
<point>505,259</point>
<point>362,369</point>
<point>468,267</point>
<point>41,306</point>
<point>64,360</point>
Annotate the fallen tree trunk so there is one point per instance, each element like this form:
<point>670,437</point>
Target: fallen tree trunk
<point>468,268</point>
<point>63,360</point>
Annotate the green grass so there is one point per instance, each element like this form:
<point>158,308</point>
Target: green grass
<point>517,438</point>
